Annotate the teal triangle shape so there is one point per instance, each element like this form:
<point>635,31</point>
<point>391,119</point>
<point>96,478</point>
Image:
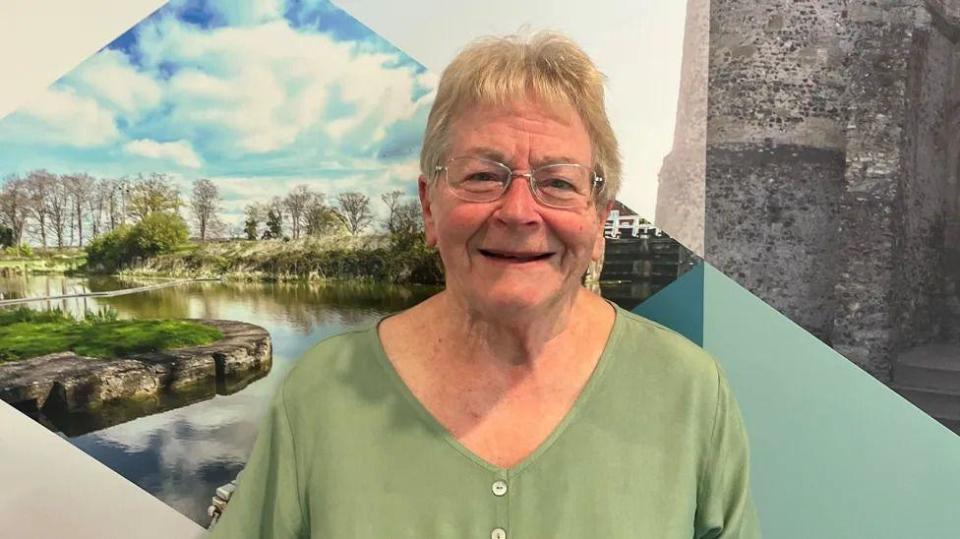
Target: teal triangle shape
<point>834,453</point>
<point>679,305</point>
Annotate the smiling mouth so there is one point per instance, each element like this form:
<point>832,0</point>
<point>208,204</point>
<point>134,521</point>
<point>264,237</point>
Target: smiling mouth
<point>514,257</point>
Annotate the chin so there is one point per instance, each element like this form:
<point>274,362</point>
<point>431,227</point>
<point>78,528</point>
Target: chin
<point>516,299</point>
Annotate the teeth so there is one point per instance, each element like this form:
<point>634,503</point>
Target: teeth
<point>512,257</point>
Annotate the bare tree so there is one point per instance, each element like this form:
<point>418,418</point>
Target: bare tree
<point>404,219</point>
<point>117,203</point>
<point>319,218</point>
<point>79,187</point>
<point>98,204</point>
<point>205,204</point>
<point>58,210</point>
<point>403,216</point>
<point>40,185</point>
<point>15,206</point>
<point>355,209</point>
<point>407,219</point>
<point>153,193</point>
<point>296,205</point>
<point>218,229</point>
<point>392,200</point>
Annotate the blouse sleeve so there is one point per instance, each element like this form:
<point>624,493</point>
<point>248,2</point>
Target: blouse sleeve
<point>725,509</point>
<point>267,501</point>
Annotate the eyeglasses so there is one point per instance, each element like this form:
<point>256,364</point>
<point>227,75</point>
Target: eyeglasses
<point>560,185</point>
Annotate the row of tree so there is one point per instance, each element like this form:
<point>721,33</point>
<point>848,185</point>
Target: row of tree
<point>61,210</point>
<point>304,212</point>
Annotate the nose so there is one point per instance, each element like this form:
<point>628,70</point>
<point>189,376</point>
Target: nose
<point>517,205</point>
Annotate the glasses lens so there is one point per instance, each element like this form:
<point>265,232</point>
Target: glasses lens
<point>477,179</point>
<point>564,185</point>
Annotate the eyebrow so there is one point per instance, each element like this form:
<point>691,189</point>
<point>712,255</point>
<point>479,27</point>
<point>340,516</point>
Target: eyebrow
<point>500,157</point>
<point>553,160</point>
<point>487,153</point>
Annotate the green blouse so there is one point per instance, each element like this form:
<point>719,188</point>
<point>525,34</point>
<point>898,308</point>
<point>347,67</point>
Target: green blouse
<point>653,447</point>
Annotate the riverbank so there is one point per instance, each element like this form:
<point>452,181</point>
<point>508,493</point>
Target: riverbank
<point>335,257</point>
<point>42,262</point>
<point>80,394</point>
<point>332,258</point>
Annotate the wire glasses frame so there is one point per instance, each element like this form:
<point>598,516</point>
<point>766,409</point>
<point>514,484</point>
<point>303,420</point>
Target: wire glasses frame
<point>557,185</point>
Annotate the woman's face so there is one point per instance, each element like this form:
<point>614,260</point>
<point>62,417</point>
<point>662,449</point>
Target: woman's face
<point>514,253</point>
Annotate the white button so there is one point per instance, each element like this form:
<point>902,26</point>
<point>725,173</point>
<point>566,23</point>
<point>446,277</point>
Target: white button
<point>498,533</point>
<point>499,488</point>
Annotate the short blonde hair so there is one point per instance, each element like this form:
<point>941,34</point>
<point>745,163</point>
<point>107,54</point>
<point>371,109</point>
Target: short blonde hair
<point>498,70</point>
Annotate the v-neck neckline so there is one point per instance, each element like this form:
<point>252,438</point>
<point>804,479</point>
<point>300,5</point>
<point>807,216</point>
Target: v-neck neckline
<point>602,365</point>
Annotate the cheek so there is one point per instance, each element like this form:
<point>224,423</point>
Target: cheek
<point>581,238</point>
<point>456,227</point>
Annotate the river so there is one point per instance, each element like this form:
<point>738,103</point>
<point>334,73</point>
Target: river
<point>182,455</point>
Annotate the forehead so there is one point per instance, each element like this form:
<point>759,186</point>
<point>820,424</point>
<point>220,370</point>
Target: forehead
<point>521,131</point>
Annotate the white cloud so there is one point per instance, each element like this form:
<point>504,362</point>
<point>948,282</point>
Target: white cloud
<point>61,116</point>
<point>180,152</point>
<point>115,83</point>
<point>270,87</point>
<point>256,108</point>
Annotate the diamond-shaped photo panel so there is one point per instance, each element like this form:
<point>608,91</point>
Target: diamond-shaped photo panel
<point>213,192</point>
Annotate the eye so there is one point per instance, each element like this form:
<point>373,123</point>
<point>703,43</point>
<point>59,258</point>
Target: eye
<point>559,184</point>
<point>482,177</point>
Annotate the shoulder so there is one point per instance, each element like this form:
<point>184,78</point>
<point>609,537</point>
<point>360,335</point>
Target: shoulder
<point>656,347</point>
<point>668,375</point>
<point>333,364</point>
<point>663,370</point>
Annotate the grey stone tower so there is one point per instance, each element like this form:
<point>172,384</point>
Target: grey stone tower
<point>832,164</point>
<point>680,192</point>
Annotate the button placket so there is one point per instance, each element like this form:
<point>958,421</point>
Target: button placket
<point>498,490</point>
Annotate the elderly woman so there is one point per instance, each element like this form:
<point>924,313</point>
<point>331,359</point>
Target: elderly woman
<point>515,403</point>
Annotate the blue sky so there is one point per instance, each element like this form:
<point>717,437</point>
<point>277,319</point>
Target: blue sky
<point>257,95</point>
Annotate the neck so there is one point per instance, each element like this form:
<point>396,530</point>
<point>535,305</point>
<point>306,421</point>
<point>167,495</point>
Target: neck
<point>511,340</point>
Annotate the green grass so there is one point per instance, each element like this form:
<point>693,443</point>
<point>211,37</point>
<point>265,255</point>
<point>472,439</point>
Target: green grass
<point>26,333</point>
<point>42,262</point>
<point>327,258</point>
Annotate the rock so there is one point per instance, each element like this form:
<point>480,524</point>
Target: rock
<point>67,383</point>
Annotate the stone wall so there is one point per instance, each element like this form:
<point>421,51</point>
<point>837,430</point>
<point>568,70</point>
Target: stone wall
<point>951,255</point>
<point>926,187</point>
<point>775,161</point>
<point>878,141</point>
<point>832,157</point>
<point>771,225</point>
<point>776,72</point>
<point>946,20</point>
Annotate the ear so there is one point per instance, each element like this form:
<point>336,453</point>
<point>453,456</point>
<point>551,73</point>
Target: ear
<point>599,245</point>
<point>429,227</point>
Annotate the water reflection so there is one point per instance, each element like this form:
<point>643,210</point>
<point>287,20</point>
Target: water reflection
<point>182,455</point>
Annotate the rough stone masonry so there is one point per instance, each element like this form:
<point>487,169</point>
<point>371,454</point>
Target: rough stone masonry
<point>832,164</point>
